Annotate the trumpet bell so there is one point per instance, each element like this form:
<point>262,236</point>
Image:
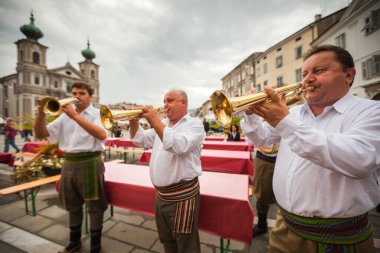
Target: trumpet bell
<point>106,117</point>
<point>53,106</point>
<point>222,108</point>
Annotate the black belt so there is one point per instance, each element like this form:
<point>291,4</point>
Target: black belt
<point>271,159</point>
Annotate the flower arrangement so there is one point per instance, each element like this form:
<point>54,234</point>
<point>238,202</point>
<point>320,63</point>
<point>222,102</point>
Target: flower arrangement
<point>48,156</point>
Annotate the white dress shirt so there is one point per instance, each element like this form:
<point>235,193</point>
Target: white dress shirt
<point>327,166</point>
<point>72,137</point>
<point>177,157</point>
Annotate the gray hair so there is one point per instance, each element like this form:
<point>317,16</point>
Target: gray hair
<point>182,93</point>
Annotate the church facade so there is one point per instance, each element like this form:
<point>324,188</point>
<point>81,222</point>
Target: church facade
<point>33,79</point>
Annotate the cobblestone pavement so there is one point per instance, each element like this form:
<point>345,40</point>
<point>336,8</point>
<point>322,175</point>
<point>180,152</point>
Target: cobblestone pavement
<point>126,231</point>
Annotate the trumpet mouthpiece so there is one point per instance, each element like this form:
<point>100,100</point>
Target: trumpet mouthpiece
<point>310,88</point>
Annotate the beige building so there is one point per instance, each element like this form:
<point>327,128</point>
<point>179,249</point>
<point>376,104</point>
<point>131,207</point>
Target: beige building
<point>278,65</point>
<point>281,64</point>
<point>358,31</point>
<point>33,80</point>
<point>242,78</point>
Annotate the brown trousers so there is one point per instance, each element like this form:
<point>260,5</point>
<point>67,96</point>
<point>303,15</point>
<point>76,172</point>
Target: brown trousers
<point>282,240</point>
<point>262,181</point>
<point>176,242</point>
<point>72,194</point>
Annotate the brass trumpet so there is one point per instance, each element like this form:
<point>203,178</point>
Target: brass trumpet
<point>224,107</point>
<point>53,106</point>
<point>109,117</point>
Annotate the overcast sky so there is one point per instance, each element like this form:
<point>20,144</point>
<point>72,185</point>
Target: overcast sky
<point>146,47</point>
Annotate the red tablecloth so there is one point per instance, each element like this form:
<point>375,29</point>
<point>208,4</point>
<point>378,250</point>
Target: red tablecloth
<point>7,158</point>
<point>220,138</point>
<point>31,146</point>
<point>227,145</point>
<point>125,143</point>
<point>112,141</point>
<point>235,162</point>
<point>225,208</point>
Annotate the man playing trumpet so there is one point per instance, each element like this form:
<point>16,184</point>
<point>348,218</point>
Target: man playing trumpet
<point>175,165</point>
<point>81,137</point>
<point>325,177</point>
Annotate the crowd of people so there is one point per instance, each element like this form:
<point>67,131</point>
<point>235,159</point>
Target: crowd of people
<point>318,161</point>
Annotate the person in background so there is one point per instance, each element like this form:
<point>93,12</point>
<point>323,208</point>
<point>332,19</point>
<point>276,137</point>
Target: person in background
<point>325,177</point>
<point>10,135</point>
<point>206,125</point>
<point>27,130</point>
<point>234,134</point>
<point>117,130</point>
<point>175,165</point>
<point>264,162</point>
<point>81,137</point>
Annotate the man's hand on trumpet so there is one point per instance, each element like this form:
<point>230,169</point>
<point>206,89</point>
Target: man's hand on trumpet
<point>69,110</point>
<point>273,110</point>
<point>152,116</point>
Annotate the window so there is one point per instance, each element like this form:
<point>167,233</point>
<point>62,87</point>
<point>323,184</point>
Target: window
<point>258,72</point>
<point>371,67</point>
<point>258,87</point>
<point>92,74</point>
<point>265,82</point>
<point>372,23</point>
<point>21,55</point>
<point>298,52</point>
<point>298,75</point>
<point>265,68</point>
<point>278,49</point>
<point>240,90</point>
<point>238,78</point>
<point>68,72</point>
<point>243,75</point>
<point>68,87</point>
<point>298,38</point>
<point>5,91</point>
<point>36,79</point>
<point>55,84</point>
<point>279,61</point>
<point>36,58</point>
<point>280,81</point>
<point>340,41</point>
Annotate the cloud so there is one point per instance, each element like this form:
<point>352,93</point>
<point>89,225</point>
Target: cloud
<point>146,47</point>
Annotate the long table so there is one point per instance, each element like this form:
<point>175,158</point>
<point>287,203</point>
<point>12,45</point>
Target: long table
<point>112,141</point>
<point>125,143</point>
<point>228,145</point>
<point>235,162</point>
<point>225,208</point>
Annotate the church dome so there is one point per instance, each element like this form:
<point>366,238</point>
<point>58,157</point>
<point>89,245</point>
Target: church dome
<point>88,53</point>
<point>31,31</point>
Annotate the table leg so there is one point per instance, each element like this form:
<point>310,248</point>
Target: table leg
<point>222,249</point>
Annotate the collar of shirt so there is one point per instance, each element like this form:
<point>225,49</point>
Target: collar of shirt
<point>340,106</point>
<point>166,121</point>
